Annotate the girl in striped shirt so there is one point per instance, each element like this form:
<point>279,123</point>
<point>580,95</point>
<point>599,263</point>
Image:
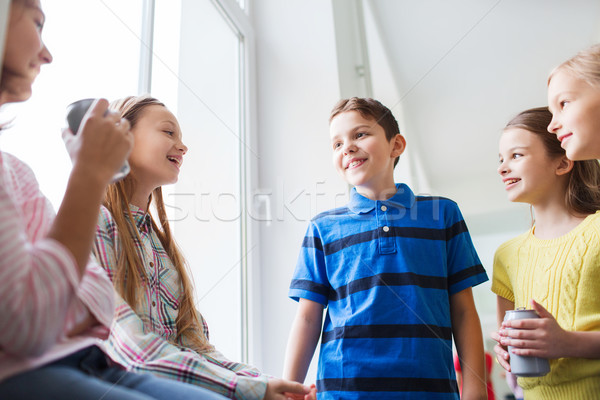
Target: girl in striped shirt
<point>57,304</point>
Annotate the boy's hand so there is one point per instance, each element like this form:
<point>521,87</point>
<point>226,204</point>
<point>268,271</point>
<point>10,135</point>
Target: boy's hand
<point>539,337</point>
<point>501,351</point>
<point>83,326</point>
<point>281,389</point>
<point>312,395</point>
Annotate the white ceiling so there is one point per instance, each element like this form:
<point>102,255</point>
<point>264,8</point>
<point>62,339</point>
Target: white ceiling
<point>462,69</point>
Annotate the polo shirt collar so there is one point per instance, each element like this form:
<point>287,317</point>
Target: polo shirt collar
<point>359,204</point>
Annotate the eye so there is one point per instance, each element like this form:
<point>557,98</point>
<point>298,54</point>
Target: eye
<point>337,145</point>
<point>500,161</point>
<point>360,134</point>
<point>170,133</point>
<point>38,19</point>
<point>517,155</point>
<point>563,103</point>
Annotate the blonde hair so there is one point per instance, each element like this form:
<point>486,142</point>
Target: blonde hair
<point>130,275</point>
<point>584,65</point>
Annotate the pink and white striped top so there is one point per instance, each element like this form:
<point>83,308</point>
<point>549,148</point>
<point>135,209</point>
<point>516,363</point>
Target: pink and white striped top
<point>42,295</point>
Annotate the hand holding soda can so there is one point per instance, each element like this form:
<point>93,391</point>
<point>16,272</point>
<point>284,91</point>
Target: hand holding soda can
<point>75,113</point>
<point>525,366</point>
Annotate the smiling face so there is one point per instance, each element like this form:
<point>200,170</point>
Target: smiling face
<point>575,105</point>
<point>158,150</point>
<point>362,155</point>
<point>24,52</point>
<point>529,174</point>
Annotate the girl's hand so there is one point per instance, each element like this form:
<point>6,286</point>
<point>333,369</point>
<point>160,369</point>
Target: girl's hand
<point>102,144</point>
<point>501,352</point>
<point>281,389</point>
<point>539,337</point>
<point>312,395</point>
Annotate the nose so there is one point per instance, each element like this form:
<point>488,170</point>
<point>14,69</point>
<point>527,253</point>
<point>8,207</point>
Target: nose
<point>45,55</point>
<point>349,147</point>
<point>181,147</point>
<point>502,168</point>
<point>554,125</point>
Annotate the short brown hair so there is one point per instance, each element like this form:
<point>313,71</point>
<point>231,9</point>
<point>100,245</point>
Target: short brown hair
<point>372,109</point>
<point>583,190</point>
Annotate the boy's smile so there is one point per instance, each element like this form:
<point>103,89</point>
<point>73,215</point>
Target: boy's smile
<point>363,156</point>
<point>355,163</point>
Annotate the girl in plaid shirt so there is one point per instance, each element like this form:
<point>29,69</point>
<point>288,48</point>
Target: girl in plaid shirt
<point>157,328</point>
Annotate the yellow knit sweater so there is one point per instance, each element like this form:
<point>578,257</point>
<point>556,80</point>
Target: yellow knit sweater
<point>562,274</point>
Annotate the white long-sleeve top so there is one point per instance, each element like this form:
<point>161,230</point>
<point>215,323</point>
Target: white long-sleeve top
<point>42,295</point>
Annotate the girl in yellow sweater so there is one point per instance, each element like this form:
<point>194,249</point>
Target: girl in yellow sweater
<point>552,268</point>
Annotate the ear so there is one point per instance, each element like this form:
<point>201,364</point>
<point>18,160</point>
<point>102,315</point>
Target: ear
<point>564,165</point>
<point>399,145</point>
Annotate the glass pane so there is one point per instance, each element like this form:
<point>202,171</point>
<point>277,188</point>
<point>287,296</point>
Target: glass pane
<point>95,47</point>
<point>207,198</point>
<point>165,60</point>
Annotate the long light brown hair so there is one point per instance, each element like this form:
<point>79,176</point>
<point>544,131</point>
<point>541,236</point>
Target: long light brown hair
<point>130,276</point>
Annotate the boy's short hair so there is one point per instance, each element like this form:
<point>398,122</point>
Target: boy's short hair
<point>369,108</point>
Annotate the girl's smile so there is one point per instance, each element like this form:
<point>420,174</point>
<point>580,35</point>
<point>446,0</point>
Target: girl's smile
<point>574,104</point>
<point>527,171</point>
<point>177,160</point>
<point>25,51</point>
<point>510,182</point>
<point>158,152</point>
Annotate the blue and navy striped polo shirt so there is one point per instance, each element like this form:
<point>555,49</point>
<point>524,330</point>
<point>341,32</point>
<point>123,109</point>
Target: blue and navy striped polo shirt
<point>385,270</point>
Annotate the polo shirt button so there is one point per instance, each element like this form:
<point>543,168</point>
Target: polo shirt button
<point>153,303</point>
<point>151,264</point>
<point>383,208</point>
<point>386,228</point>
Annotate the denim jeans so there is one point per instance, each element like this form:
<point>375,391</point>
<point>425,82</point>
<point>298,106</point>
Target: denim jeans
<point>90,375</point>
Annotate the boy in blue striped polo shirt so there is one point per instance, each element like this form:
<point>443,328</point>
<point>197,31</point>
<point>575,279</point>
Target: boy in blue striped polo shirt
<point>394,272</point>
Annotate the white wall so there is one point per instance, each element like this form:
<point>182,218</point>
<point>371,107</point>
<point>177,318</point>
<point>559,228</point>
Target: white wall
<point>297,87</point>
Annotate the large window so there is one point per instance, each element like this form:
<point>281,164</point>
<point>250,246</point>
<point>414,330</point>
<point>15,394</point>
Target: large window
<point>198,70</point>
<point>90,60</point>
<point>208,201</point>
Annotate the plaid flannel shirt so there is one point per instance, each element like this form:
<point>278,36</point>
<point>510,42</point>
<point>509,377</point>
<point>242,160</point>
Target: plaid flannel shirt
<point>145,342</point>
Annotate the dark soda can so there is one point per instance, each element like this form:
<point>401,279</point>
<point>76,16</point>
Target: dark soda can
<point>525,366</point>
<point>75,113</point>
